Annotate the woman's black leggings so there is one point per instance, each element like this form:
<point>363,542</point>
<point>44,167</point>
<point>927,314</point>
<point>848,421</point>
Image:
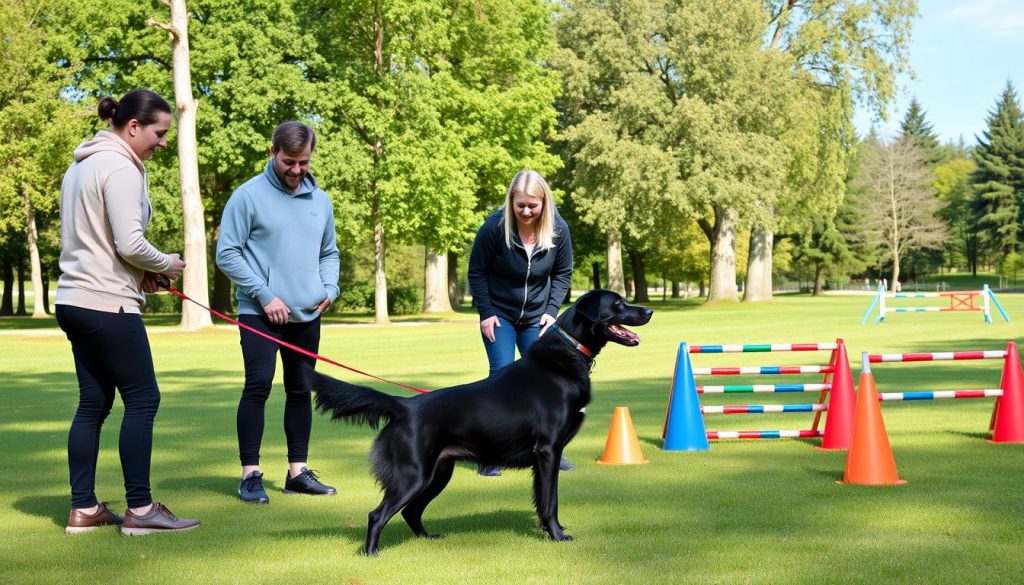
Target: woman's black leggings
<point>111,351</point>
<point>260,357</point>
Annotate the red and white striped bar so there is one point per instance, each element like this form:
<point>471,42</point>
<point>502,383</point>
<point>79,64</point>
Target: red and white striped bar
<point>763,408</point>
<point>763,388</point>
<point>907,396</point>
<point>763,347</point>
<point>763,370</point>
<point>719,435</point>
<point>937,356</point>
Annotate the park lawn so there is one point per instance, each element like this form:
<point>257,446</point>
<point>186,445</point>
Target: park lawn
<point>743,512</point>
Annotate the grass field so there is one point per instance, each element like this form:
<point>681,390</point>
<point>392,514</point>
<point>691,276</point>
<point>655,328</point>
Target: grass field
<point>743,512</point>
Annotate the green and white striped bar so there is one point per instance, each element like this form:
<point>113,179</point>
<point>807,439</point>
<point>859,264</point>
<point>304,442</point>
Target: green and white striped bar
<point>765,388</point>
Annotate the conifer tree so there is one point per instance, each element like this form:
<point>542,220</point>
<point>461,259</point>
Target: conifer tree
<point>999,179</point>
<point>915,127</point>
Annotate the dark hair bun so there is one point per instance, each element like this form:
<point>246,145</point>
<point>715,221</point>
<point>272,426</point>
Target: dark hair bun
<point>107,107</point>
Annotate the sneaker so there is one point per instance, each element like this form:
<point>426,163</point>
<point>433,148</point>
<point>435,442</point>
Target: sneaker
<point>158,519</point>
<point>79,521</point>
<point>251,489</point>
<point>489,470</point>
<point>306,482</point>
<point>566,465</point>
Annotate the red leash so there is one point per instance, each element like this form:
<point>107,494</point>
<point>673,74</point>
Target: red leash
<point>295,348</point>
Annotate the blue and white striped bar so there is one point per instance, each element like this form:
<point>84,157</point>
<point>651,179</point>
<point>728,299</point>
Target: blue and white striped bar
<point>917,295</point>
<point>906,396</point>
<point>914,309</point>
<point>763,388</point>
<point>763,408</point>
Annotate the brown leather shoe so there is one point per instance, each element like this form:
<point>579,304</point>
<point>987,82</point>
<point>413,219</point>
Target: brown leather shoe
<point>79,521</point>
<point>158,519</point>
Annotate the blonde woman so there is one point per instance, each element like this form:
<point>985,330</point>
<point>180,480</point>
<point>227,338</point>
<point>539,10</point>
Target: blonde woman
<point>519,271</point>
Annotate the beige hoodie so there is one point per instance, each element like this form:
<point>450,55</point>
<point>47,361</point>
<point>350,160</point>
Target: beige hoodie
<point>104,211</point>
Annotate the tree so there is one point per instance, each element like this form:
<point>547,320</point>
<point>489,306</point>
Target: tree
<point>952,187</point>
<point>38,129</point>
<point>847,52</point>
<point>917,129</point>
<point>195,276</point>
<point>899,203</point>
<point>998,181</point>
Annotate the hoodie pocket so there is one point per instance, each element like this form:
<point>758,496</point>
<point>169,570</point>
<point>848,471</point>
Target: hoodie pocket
<point>299,287</point>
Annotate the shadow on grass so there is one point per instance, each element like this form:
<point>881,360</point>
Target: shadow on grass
<point>214,484</point>
<point>519,522</point>
<point>53,507</point>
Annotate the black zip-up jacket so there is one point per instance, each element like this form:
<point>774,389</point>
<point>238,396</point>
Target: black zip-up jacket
<point>507,283</point>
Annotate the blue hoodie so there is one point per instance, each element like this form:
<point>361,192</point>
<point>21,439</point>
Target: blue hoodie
<point>276,243</point>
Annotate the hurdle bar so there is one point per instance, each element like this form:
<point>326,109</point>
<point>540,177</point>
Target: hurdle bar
<point>959,301</point>
<point>937,356</point>
<point>818,407</point>
<point>939,395</point>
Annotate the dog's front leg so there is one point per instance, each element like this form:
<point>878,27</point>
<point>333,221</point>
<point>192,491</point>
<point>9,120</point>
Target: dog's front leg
<point>545,491</point>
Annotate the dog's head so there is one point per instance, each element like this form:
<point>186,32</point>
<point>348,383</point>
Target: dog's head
<point>600,316</point>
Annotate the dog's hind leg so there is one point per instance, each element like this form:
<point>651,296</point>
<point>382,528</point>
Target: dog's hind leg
<point>413,512</point>
<point>394,500</point>
<point>545,491</point>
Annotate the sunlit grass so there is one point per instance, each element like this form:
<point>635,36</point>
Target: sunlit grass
<point>743,512</point>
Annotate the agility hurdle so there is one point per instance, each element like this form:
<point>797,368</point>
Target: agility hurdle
<point>1007,420</point>
<point>958,301</point>
<point>684,421</point>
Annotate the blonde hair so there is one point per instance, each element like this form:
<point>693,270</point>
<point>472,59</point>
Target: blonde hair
<point>531,184</point>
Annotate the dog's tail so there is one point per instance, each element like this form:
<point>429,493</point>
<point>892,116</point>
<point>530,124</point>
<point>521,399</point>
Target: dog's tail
<point>351,402</point>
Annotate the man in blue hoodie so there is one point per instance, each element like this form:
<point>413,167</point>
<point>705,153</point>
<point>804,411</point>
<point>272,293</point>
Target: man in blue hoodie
<point>277,244</point>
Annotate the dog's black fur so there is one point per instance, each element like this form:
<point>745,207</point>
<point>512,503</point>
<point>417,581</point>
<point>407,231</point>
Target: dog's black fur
<point>522,416</point>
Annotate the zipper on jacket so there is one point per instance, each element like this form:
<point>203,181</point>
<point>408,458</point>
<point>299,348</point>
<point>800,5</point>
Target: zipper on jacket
<point>526,282</point>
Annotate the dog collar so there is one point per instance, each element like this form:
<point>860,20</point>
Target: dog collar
<point>572,341</point>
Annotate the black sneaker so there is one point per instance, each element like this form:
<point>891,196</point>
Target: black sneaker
<point>306,482</point>
<point>566,465</point>
<point>489,470</point>
<point>251,489</point>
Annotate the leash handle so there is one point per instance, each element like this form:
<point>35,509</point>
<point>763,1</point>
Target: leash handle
<point>163,282</point>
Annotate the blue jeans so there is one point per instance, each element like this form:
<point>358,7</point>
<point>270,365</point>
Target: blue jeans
<point>506,338</point>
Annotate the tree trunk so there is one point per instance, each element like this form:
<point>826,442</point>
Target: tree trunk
<point>380,278</point>
<point>194,280</point>
<point>722,236</point>
<point>895,272</point>
<point>222,299</point>
<point>595,274</point>
<point>819,273</point>
<point>676,289</point>
<point>758,287</point>
<point>702,290</point>
<point>616,281</point>
<point>46,294</point>
<point>435,282</point>
<point>636,261</point>
<point>454,298</point>
<point>35,268</point>
<point>7,301</point>
<point>21,312</point>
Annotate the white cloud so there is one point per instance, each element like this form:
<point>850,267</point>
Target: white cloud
<point>1002,19</point>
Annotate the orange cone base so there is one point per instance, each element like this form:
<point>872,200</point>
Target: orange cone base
<point>890,482</point>
<point>622,447</point>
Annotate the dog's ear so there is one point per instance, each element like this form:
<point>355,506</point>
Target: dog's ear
<point>589,305</point>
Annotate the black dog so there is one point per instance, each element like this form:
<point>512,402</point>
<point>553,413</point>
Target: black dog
<point>522,416</point>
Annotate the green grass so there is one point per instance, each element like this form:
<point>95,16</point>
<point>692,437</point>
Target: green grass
<point>743,512</point>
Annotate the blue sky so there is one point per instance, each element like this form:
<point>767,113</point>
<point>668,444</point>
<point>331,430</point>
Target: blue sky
<point>962,53</point>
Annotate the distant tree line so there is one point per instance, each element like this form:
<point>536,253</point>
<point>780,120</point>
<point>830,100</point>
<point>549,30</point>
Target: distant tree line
<point>705,142</point>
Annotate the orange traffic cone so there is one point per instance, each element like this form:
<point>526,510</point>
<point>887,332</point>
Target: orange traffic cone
<point>622,448</point>
<point>869,460</point>
<point>1009,412</point>
<point>841,403</point>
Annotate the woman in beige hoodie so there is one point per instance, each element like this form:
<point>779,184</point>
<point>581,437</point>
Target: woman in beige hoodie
<point>107,266</point>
